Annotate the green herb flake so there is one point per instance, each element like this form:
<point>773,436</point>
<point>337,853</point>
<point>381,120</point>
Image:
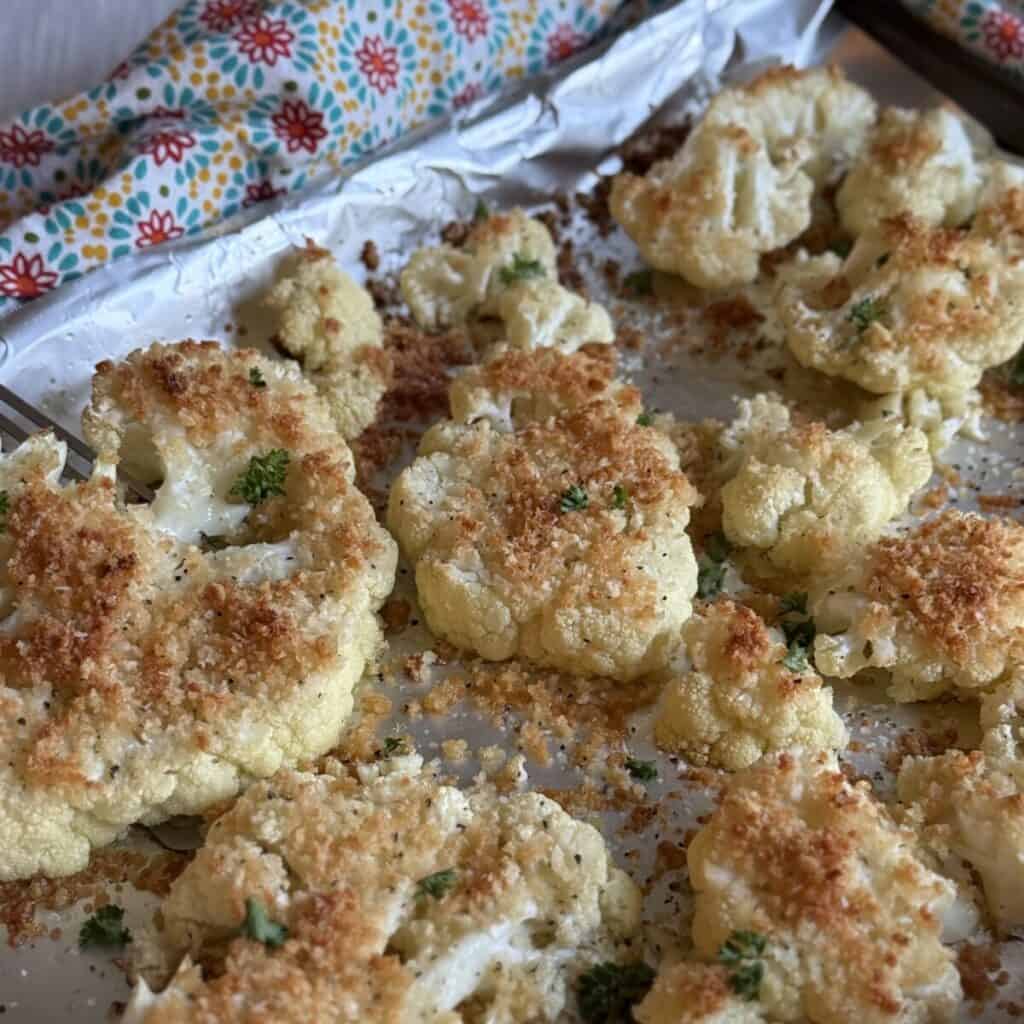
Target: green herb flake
<point>645,419</point>
<point>520,269</point>
<point>263,478</point>
<point>395,746</point>
<point>1016,373</point>
<point>105,929</point>
<point>606,993</point>
<point>796,601</point>
<point>620,497</point>
<point>841,247</point>
<point>742,951</point>
<point>640,282</point>
<point>574,499</point>
<point>5,505</point>
<point>642,771</point>
<point>256,378</point>
<point>864,313</point>
<point>799,641</point>
<point>261,927</point>
<point>711,566</point>
<point>481,211</point>
<point>437,884</point>
<point>717,547</point>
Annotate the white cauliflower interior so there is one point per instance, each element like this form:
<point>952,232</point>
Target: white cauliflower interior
<point>922,163</point>
<point>330,325</point>
<point>403,900</point>
<point>696,993</point>
<point>564,542</point>
<point>972,803</point>
<point>513,387</point>
<point>912,306</point>
<point>142,675</point>
<point>848,917</point>
<point>740,700</point>
<point>807,496</point>
<point>543,314</point>
<point>743,182</point>
<point>940,608</point>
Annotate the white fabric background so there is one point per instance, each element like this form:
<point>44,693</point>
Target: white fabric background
<point>54,48</point>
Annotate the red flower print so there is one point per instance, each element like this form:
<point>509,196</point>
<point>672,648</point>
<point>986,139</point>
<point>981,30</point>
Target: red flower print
<point>261,193</point>
<point>299,126</point>
<point>379,62</point>
<point>470,18</point>
<point>177,113</point>
<point>220,15</point>
<point>25,277</point>
<point>563,42</point>
<point>469,94</point>
<point>263,40</point>
<point>22,148</point>
<point>74,192</point>
<point>1004,34</point>
<point>160,227</point>
<point>123,70</point>
<point>169,145</point>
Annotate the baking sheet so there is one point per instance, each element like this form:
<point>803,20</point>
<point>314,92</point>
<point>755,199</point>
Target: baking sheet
<point>550,137</point>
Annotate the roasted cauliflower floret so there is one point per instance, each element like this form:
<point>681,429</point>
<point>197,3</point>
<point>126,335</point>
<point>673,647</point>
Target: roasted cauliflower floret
<point>911,306</point>
<point>920,163</point>
<point>940,608</point>
<point>564,542</point>
<point>330,325</point>
<point>740,700</point>
<point>446,286</point>
<point>807,496</point>
<point>696,993</point>
<point>513,387</point>
<point>973,803</point>
<point>806,875</point>
<point>742,183</point>
<point>942,420</point>
<point>543,314</point>
<point>390,898</point>
<point>1000,215</point>
<point>142,676</point>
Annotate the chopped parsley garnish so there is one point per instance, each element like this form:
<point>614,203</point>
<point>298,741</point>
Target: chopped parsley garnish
<point>644,419</point>
<point>574,499</point>
<point>5,504</point>
<point>395,746</point>
<point>841,247</point>
<point>481,211</point>
<point>640,282</point>
<point>606,993</point>
<point>742,951</point>
<point>261,927</point>
<point>796,601</point>
<point>864,313</point>
<point>437,884</point>
<point>1016,376</point>
<point>620,497</point>
<point>256,378</point>
<point>711,566</point>
<point>105,928</point>
<point>642,771</point>
<point>520,269</point>
<point>263,478</point>
<point>799,640</point>
<point>212,541</point>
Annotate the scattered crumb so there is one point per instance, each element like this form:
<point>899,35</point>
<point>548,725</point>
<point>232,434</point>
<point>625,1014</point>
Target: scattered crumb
<point>976,964</point>
<point>370,256</point>
<point>455,751</point>
<point>395,615</point>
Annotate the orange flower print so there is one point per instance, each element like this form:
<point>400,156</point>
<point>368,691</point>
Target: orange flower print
<point>563,42</point>
<point>299,126</point>
<point>25,277</point>
<point>1004,35</point>
<point>470,18</point>
<point>379,62</point>
<point>158,227</point>
<point>263,40</point>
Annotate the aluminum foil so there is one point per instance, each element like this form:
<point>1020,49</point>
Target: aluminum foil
<point>553,135</point>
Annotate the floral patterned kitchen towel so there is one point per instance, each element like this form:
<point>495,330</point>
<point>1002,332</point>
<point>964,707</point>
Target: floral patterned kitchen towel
<point>991,29</point>
<point>231,103</point>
